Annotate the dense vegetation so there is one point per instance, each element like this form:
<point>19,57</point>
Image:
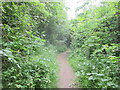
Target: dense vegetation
<point>96,46</point>
<point>34,32</point>
<point>29,31</point>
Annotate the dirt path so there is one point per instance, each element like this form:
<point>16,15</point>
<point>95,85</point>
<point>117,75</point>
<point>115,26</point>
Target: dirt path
<point>66,75</point>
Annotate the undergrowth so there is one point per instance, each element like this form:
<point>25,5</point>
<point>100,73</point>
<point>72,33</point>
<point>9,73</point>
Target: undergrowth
<point>35,71</point>
<point>95,48</point>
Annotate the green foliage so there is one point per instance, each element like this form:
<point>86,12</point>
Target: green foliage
<point>57,28</point>
<point>37,71</point>
<point>31,29</point>
<point>28,55</point>
<point>95,47</point>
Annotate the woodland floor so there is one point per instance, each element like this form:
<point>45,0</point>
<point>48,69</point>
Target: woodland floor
<point>66,74</point>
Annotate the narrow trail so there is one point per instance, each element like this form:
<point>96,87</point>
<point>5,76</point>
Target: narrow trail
<point>66,74</point>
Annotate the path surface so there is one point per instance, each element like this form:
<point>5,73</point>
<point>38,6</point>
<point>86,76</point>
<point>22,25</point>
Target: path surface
<point>66,74</point>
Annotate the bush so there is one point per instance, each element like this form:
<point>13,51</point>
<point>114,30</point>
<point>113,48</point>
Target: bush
<point>95,47</point>
<point>35,71</point>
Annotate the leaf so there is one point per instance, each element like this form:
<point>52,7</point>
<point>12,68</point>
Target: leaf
<point>90,78</point>
<point>100,74</point>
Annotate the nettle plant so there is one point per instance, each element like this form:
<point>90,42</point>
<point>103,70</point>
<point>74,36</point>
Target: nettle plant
<point>28,55</point>
<point>95,47</point>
